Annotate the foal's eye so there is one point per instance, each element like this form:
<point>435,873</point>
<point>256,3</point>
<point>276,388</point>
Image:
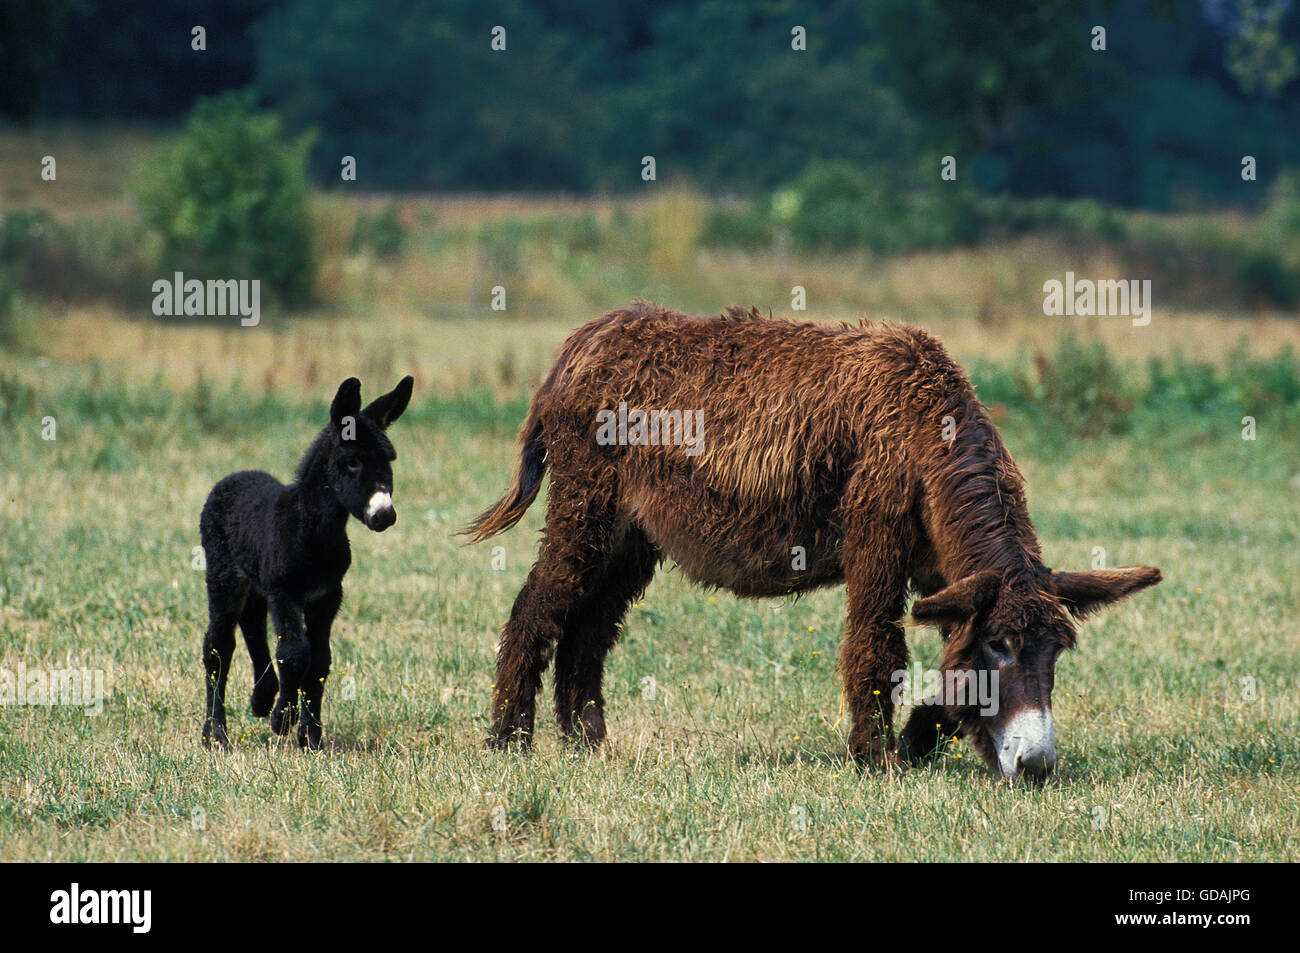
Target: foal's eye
<point>354,466</point>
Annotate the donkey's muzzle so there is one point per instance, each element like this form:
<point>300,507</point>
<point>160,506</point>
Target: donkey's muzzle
<point>1026,748</point>
<point>380,513</point>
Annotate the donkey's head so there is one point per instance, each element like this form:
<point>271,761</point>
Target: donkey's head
<point>1004,637</point>
<point>360,458</point>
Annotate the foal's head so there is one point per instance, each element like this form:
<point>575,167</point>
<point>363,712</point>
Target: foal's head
<point>359,465</point>
<point>1001,642</point>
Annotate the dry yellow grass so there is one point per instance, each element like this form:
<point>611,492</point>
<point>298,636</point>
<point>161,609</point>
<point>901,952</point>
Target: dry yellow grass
<point>306,354</point>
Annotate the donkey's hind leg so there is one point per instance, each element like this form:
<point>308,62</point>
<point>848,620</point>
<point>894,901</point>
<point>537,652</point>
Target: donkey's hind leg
<point>252,623</point>
<point>591,630</point>
<point>574,544</point>
<point>225,600</point>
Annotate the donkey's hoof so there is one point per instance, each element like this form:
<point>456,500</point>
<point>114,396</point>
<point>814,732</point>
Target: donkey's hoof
<point>884,762</point>
<point>512,739</point>
<point>587,732</point>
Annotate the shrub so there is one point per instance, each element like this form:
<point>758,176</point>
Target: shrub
<point>837,205</point>
<point>1081,389</point>
<point>17,321</point>
<point>739,225</point>
<point>1263,276</point>
<point>381,233</point>
<point>34,247</point>
<point>229,199</point>
<point>502,246</point>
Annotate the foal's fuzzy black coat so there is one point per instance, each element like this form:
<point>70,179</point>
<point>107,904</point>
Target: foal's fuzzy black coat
<point>285,548</point>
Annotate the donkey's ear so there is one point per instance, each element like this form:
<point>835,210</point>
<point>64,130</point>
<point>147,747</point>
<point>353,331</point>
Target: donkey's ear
<point>347,402</point>
<point>384,410</point>
<point>1085,592</point>
<point>964,599</point>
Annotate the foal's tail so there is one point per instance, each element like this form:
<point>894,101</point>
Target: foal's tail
<point>508,510</point>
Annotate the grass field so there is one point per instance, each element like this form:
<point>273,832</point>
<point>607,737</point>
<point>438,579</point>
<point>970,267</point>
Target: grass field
<point>738,753</point>
<point>1178,717</point>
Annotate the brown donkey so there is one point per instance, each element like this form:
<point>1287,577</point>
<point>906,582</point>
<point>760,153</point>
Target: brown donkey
<point>768,458</point>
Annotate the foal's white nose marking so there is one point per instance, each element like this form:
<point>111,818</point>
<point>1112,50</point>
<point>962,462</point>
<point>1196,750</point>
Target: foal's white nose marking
<point>380,501</point>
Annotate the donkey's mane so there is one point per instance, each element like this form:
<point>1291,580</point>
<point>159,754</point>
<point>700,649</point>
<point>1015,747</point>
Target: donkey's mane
<point>978,516</point>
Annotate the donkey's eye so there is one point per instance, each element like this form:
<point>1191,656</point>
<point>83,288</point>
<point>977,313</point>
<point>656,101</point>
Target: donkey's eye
<point>354,466</point>
<point>1000,648</point>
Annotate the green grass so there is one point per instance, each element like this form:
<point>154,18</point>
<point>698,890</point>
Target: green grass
<point>1162,755</point>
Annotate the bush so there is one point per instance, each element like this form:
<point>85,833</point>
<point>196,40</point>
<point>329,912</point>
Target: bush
<point>34,246</point>
<point>1271,269</point>
<point>837,206</point>
<point>1078,218</point>
<point>381,233</point>
<point>1263,276</point>
<point>229,199</point>
<point>739,225</point>
<point>1081,389</point>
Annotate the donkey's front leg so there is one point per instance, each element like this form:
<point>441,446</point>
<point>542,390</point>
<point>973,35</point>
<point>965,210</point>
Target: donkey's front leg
<point>292,658</point>
<point>923,734</point>
<point>319,616</point>
<point>874,650</point>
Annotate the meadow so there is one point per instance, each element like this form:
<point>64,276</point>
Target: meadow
<point>1178,716</point>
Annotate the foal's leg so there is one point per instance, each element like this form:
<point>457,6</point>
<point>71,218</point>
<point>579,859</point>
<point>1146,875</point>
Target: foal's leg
<point>874,648</point>
<point>573,544</point>
<point>225,599</point>
<point>292,656</point>
<point>319,615</point>
<point>591,630</point>
<point>252,623</point>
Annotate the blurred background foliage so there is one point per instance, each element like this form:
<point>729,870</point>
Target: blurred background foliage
<point>1132,153</point>
<point>1158,120</point>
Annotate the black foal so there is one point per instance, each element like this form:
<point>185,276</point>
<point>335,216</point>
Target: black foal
<point>285,548</point>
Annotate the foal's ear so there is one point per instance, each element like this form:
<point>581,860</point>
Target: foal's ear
<point>384,410</point>
<point>347,402</point>
<point>1085,592</point>
<point>963,600</point>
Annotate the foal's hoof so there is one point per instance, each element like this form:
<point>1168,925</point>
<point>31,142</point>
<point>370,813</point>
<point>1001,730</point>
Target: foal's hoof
<point>308,740</point>
<point>263,697</point>
<point>215,733</point>
<point>282,719</point>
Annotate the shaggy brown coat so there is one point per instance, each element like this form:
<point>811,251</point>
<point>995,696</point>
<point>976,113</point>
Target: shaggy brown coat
<point>821,440</point>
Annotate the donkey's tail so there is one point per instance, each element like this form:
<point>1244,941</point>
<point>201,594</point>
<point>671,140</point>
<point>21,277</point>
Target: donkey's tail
<point>508,510</point>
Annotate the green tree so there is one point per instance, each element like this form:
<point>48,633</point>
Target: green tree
<point>1258,56</point>
<point>28,34</point>
<point>974,69</point>
<point>229,199</point>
